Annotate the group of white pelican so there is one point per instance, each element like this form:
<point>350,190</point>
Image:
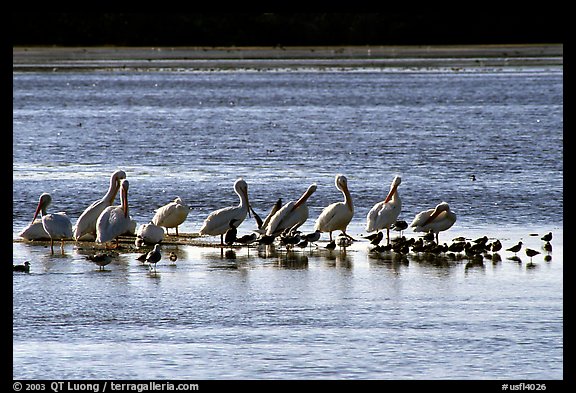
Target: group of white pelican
<point>104,222</point>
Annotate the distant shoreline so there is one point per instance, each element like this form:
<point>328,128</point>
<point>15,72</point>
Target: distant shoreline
<point>221,58</point>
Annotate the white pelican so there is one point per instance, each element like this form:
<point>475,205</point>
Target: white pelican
<point>150,233</point>
<point>291,215</point>
<point>57,225</point>
<point>86,223</point>
<point>171,215</point>
<point>34,231</point>
<point>385,213</point>
<point>338,215</point>
<point>436,220</point>
<point>218,222</point>
<point>114,220</point>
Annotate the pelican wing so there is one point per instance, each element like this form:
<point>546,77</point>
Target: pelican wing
<point>217,223</point>
<point>34,231</point>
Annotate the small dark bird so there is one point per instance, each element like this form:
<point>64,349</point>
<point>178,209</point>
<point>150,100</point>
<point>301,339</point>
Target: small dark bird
<point>247,239</point>
<point>230,235</point>
<point>400,225</point>
<point>429,236</point>
<point>344,241</point>
<point>481,240</point>
<point>266,239</point>
<point>547,247</point>
<point>100,259</point>
<point>515,248</point>
<point>154,256</point>
<point>473,177</point>
<point>173,257</point>
<point>22,268</point>
<point>303,243</point>
<point>377,239</point>
<point>331,245</point>
<point>457,247</point>
<point>313,237</point>
<point>531,253</point>
<point>496,245</point>
<point>547,237</point>
<point>142,257</point>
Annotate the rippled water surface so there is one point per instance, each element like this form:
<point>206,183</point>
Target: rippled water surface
<point>311,313</point>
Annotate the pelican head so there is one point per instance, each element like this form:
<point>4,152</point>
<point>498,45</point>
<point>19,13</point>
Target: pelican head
<point>45,200</point>
<point>341,182</point>
<point>393,187</point>
<point>441,207</point>
<point>115,180</point>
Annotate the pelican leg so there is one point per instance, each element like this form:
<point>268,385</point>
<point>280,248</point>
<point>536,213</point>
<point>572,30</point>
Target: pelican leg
<point>388,236</point>
<point>221,240</point>
<point>51,246</point>
<point>62,246</point>
<point>176,230</point>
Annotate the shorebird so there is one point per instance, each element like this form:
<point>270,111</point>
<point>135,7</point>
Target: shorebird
<point>173,257</point>
<point>547,237</point>
<point>531,253</point>
<point>515,248</point>
<point>100,259</point>
<point>496,245</point>
<point>331,245</point>
<point>338,215</point>
<point>154,256</point>
<point>22,268</point>
<point>230,235</point>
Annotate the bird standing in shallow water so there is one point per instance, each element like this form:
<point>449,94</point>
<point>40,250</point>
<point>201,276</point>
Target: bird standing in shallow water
<point>515,248</point>
<point>218,222</point>
<point>384,214</point>
<point>338,215</point>
<point>436,220</point>
<point>57,225</point>
<point>154,256</point>
<point>171,215</point>
<point>101,259</point>
<point>531,253</point>
<point>547,237</point>
<point>86,223</point>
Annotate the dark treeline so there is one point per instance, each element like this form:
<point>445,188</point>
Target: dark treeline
<point>284,29</point>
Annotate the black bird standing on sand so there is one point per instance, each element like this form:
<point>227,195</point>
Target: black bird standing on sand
<point>515,248</point>
<point>547,237</point>
<point>100,259</point>
<point>496,246</point>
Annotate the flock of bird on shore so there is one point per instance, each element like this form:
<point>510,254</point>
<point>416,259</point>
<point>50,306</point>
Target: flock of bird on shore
<point>104,223</point>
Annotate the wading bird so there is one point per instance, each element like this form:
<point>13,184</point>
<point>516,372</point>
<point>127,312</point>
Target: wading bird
<point>86,223</point>
<point>436,220</point>
<point>56,225</point>
<point>171,215</point>
<point>217,223</point>
<point>114,220</point>
<point>338,215</point>
<point>291,215</point>
<point>384,214</point>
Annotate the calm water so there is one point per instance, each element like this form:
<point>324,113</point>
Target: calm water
<point>312,314</point>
